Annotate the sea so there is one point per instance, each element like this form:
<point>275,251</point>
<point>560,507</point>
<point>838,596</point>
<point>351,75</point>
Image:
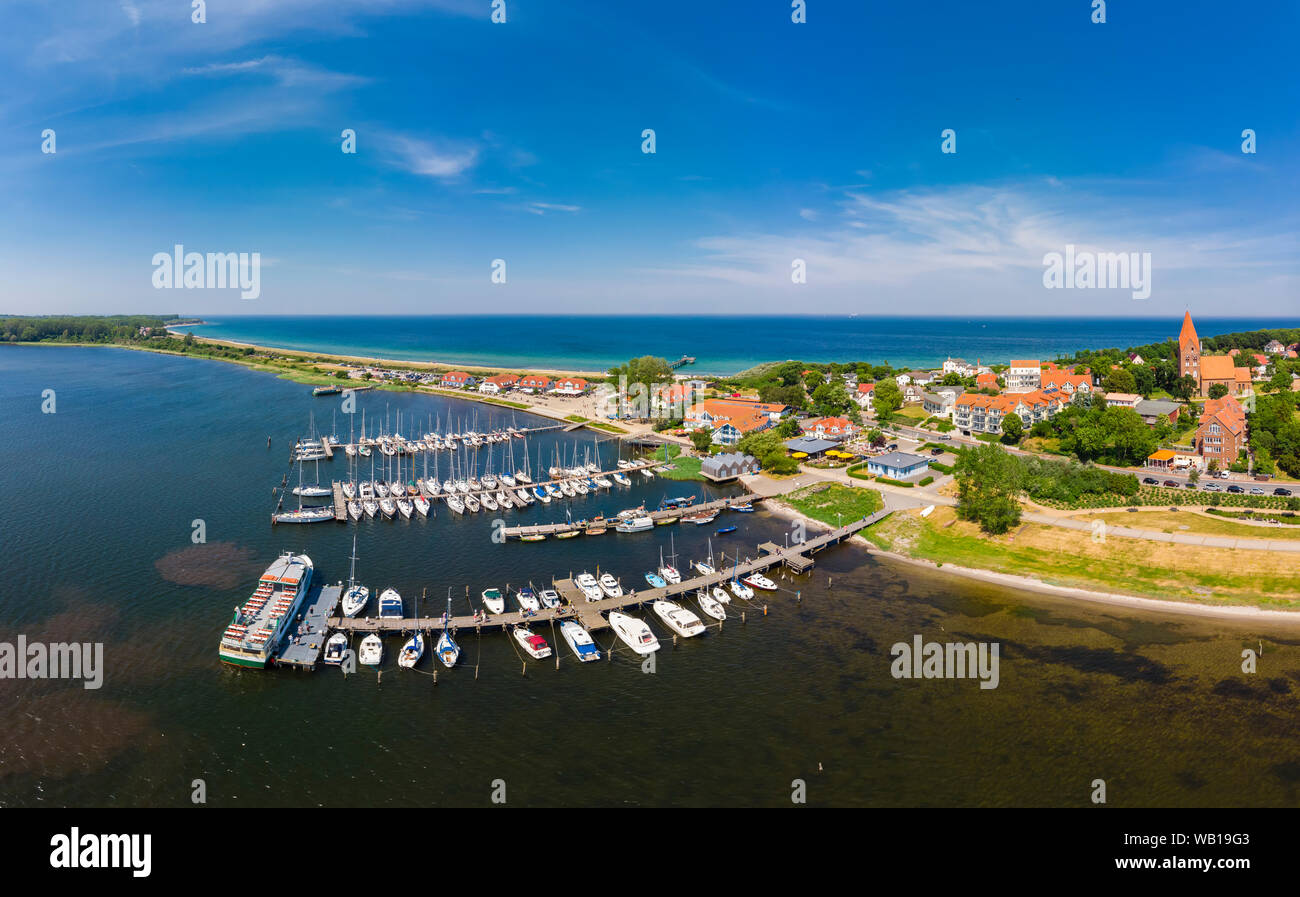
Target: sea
<point>720,345</point>
<point>120,460</point>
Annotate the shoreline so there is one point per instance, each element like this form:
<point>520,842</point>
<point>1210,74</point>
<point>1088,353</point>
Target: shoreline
<point>1235,613</point>
<point>390,362</point>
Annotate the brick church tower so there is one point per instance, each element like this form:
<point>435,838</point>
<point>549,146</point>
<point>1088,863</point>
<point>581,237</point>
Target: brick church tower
<point>1189,350</point>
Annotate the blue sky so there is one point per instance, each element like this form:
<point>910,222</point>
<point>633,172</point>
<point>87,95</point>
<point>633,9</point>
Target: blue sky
<point>522,141</point>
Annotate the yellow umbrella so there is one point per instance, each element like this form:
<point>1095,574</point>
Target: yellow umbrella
<point>799,455</point>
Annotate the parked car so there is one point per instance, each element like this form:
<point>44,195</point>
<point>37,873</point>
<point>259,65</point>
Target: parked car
<point>1222,474</point>
<point>946,437</point>
<point>1235,488</point>
<point>1150,481</point>
<point>1172,484</point>
<point>1213,487</point>
<point>1255,490</point>
<point>892,447</point>
<point>936,451</point>
<point>1281,491</point>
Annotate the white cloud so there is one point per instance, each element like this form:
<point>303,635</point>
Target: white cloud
<point>443,160</point>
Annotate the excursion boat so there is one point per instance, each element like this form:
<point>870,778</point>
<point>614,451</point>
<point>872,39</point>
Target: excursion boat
<point>634,633</point>
<point>494,601</point>
<point>579,640</point>
<point>535,645</point>
<point>549,598</point>
<point>678,619</point>
<point>710,605</point>
<point>527,599</point>
<point>412,651</point>
<point>336,648</point>
<point>390,605</point>
<point>635,525</point>
<point>258,626</point>
<point>656,581</point>
<point>759,581</point>
<point>609,585</point>
<point>590,588</point>
<point>371,652</point>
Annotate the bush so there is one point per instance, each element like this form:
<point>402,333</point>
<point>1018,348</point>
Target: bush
<point>888,482</point>
<point>925,481</point>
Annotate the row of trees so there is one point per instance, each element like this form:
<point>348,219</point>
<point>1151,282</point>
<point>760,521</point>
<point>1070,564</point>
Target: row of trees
<point>78,328</point>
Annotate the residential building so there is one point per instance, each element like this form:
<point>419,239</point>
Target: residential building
<point>810,445</point>
<point>1066,382</point>
<point>940,402</point>
<point>830,427</point>
<point>987,380</point>
<point>498,383</point>
<point>1275,347</point>
<point>960,366</point>
<point>1122,399</point>
<point>913,394</point>
<point>1151,409</point>
<point>456,379</point>
<point>1024,375</point>
<point>865,397</point>
<point>977,413</point>
<point>1221,434</point>
<point>570,386</point>
<point>898,465</point>
<point>533,383</point>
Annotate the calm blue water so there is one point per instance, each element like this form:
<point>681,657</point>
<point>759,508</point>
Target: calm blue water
<point>721,345</point>
<point>100,500</point>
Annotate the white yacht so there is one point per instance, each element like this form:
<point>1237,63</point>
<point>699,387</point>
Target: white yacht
<point>635,525</point>
<point>740,590</point>
<point>759,581</point>
<point>590,588</point>
<point>527,599</point>
<point>454,502</point>
<point>371,652</point>
<point>634,633</point>
<point>678,618</point>
<point>609,585</point>
<point>535,645</point>
<point>494,601</point>
<point>710,605</point>
<point>412,651</point>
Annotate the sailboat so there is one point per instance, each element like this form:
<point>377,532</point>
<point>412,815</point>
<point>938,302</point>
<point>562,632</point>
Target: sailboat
<point>667,571</point>
<point>706,567</point>
<point>448,651</point>
<point>310,514</point>
<point>356,597</point>
<point>413,650</point>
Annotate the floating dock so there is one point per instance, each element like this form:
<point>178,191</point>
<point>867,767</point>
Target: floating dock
<point>550,529</point>
<point>304,640</point>
<point>590,613</point>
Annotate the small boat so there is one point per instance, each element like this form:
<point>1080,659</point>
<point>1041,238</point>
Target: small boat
<point>704,569</point>
<point>710,605</point>
<point>542,494</point>
<point>656,581</point>
<point>554,491</point>
<point>505,499</point>
<point>549,598</point>
<point>370,507</point>
<point>532,537</point>
<point>609,585</point>
<point>700,518</point>
<point>580,487</point>
<point>471,502</point>
<point>598,529</point>
<point>746,508</point>
<point>488,501</point>
<point>603,483</point>
<point>759,581</point>
<point>590,588</point>
<point>579,640</point>
<point>647,473</point>
<point>567,488</point>
<point>535,645</point>
<point>448,651</point>
<point>678,619</point>
<point>336,648</point>
<point>371,652</point>
<point>388,506</point>
<point>624,465</point>
<point>404,505</point>
<point>354,510</point>
<point>568,534</point>
<point>740,590</point>
<point>422,505</point>
<point>390,604</point>
<point>621,479</point>
<point>412,651</point>
<point>635,525</point>
<point>524,497</point>
<point>634,633</point>
<point>720,595</point>
<point>357,596</point>
<point>522,477</point>
<point>455,503</point>
<point>349,491</point>
<point>723,530</point>
<point>493,601</point>
<point>527,599</point>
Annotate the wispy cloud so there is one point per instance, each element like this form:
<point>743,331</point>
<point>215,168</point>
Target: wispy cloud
<point>542,208</point>
<point>443,160</point>
<point>286,72</point>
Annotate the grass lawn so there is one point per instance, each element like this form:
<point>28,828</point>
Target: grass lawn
<point>834,503</point>
<point>1069,558</point>
<point>1191,522</point>
<point>686,469</point>
<point>1048,444</point>
<point>915,412</point>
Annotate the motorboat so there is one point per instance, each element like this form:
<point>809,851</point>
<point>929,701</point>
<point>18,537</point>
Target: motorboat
<point>609,585</point>
<point>590,588</point>
<point>656,581</point>
<point>535,645</point>
<point>580,640</point>
<point>336,648</point>
<point>635,525</point>
<point>678,619</point>
<point>390,604</point>
<point>549,598</point>
<point>759,581</point>
<point>371,652</point>
<point>634,633</point>
<point>527,599</point>
<point>494,601</point>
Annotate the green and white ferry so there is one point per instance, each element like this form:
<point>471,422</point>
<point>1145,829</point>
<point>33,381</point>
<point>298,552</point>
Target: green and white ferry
<point>261,623</point>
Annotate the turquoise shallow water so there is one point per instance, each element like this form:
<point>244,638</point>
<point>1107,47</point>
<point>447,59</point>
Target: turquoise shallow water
<point>721,345</point>
<point>95,528</point>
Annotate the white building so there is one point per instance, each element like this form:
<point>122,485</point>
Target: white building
<point>1024,375</point>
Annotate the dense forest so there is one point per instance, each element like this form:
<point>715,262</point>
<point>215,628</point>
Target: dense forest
<point>79,328</point>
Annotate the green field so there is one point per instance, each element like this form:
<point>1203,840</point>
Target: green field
<point>834,503</point>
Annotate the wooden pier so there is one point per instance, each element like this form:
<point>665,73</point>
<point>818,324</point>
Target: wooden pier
<point>590,613</point>
<point>550,529</point>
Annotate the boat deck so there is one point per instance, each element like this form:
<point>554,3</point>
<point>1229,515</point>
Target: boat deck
<point>317,608</point>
